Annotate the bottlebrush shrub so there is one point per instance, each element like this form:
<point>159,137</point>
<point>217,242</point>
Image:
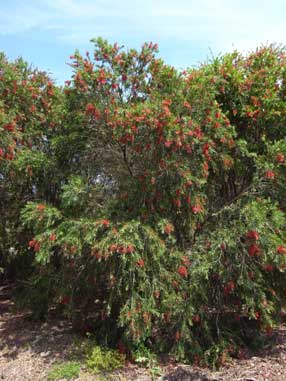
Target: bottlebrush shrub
<point>29,110</point>
<point>169,233</point>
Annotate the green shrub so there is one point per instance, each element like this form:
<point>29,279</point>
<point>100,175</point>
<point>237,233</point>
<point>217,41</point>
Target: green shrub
<point>106,360</point>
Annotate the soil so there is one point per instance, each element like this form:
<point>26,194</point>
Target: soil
<point>29,349</point>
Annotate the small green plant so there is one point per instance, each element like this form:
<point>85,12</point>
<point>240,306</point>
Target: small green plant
<point>68,370</point>
<point>144,357</point>
<point>100,359</point>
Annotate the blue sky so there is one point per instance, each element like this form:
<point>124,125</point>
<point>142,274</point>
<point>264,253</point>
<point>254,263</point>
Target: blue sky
<point>46,32</point>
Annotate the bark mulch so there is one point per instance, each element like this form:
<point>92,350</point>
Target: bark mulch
<point>28,350</point>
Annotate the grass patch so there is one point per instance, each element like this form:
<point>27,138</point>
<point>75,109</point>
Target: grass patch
<point>68,371</point>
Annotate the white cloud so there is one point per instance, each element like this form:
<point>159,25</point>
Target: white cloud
<point>219,24</point>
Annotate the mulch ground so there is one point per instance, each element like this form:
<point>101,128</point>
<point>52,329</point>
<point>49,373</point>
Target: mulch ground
<point>28,350</point>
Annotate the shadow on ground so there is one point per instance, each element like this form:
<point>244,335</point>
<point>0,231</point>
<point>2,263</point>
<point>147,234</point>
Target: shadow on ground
<point>18,332</point>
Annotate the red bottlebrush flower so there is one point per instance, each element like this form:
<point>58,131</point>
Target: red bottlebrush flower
<point>105,223</point>
<point>89,109</point>
<point>189,183</point>
<point>169,228</point>
<point>252,234</point>
<point>253,250</point>
<point>196,318</point>
<point>197,209</point>
<point>269,174</point>
<point>167,102</point>
<point>114,85</point>
<point>231,286</point>
<point>9,127</point>
<point>223,246</point>
<point>182,270</point>
<point>177,203</point>
<point>257,315</point>
<point>280,158</point>
<point>187,105</point>
<point>52,237</point>
<point>92,110</point>
<point>130,249</point>
<point>1,152</point>
<point>32,243</point>
<point>206,148</point>
<point>168,143</point>
<point>140,262</point>
<point>268,268</point>
<point>41,207</point>
<point>281,249</point>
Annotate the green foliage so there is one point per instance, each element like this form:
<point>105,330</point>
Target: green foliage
<point>68,370</point>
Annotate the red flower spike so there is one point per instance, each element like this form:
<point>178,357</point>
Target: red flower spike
<point>281,249</point>
<point>130,249</point>
<point>268,268</point>
<point>168,143</point>
<point>269,175</point>
<point>140,263</point>
<point>253,250</point>
<point>280,158</point>
<point>257,315</point>
<point>169,228</point>
<point>196,318</point>
<point>182,270</point>
<point>252,234</point>
<point>52,237</point>
<point>32,243</point>
<point>197,209</point>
